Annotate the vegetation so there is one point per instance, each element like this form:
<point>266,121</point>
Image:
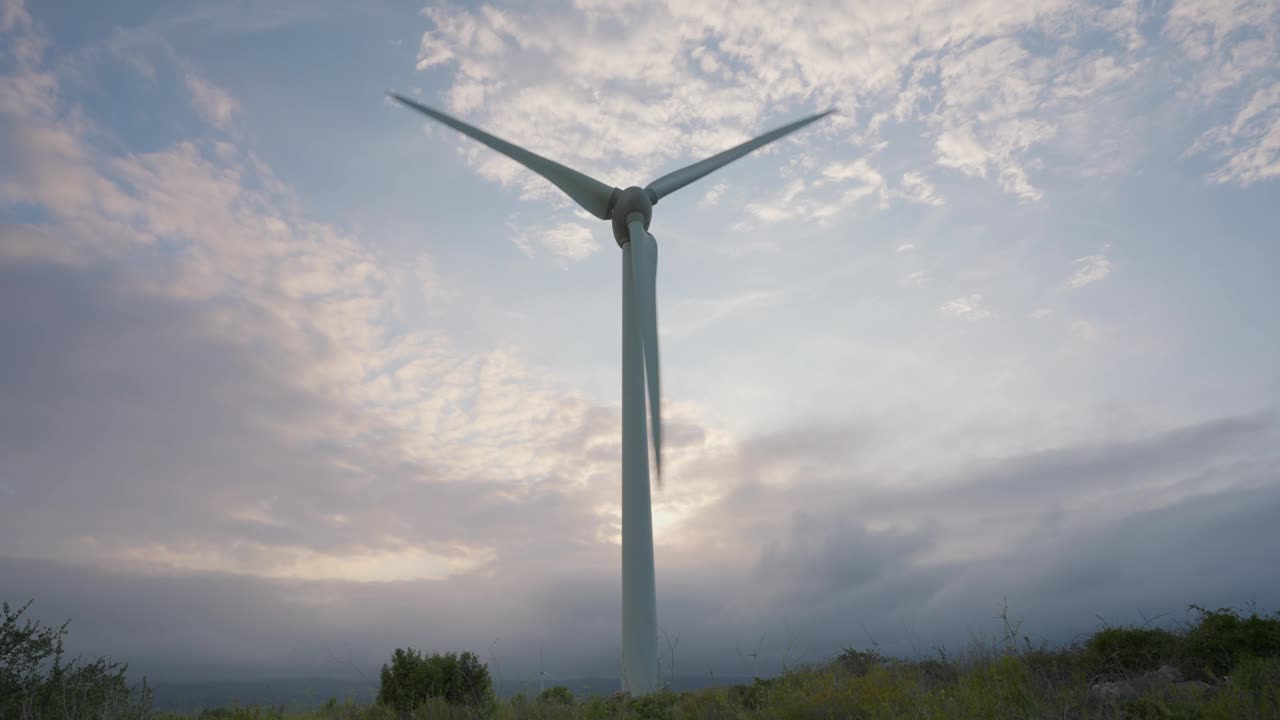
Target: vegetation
<point>556,695</point>
<point>451,679</point>
<point>37,681</point>
<point>1222,666</point>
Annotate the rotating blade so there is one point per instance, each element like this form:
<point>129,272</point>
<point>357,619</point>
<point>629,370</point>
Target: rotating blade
<point>644,270</point>
<point>588,192</point>
<point>673,181</point>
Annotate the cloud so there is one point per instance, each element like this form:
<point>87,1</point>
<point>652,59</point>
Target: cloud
<point>1090,269</point>
<point>1233,49</point>
<point>1250,145</point>
<point>567,242</point>
<point>222,423</point>
<point>1040,313</point>
<point>215,104</point>
<point>712,197</point>
<point>222,356</point>
<point>915,188</point>
<point>968,307</point>
<point>959,149</point>
<point>914,280</point>
<point>792,549</point>
<point>986,96</point>
<point>1084,330</point>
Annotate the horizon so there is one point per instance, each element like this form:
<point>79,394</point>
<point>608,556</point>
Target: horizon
<point>291,376</point>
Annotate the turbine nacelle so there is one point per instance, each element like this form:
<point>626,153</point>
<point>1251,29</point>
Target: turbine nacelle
<point>623,204</point>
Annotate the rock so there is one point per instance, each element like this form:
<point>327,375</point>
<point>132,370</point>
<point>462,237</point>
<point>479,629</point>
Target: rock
<point>1113,692</point>
<point>1190,689</point>
<point>1163,680</point>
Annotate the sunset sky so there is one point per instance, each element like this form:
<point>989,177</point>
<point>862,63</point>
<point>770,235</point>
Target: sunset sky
<point>291,376</point>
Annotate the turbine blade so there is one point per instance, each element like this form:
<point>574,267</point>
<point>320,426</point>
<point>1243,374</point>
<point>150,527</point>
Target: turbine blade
<point>673,181</point>
<point>644,270</point>
<point>591,194</point>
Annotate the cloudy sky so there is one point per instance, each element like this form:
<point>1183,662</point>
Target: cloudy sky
<point>290,377</point>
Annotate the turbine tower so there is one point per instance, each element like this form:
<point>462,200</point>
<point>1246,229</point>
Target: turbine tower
<point>630,211</point>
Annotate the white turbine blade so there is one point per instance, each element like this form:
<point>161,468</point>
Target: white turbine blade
<point>644,270</point>
<point>673,181</point>
<point>588,192</point>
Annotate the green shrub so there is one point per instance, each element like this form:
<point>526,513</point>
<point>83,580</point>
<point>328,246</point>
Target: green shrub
<point>660,705</point>
<point>412,679</point>
<point>350,710</point>
<point>933,673</point>
<point>36,682</point>
<point>1222,639</point>
<point>1050,669</point>
<point>707,704</point>
<point>1254,692</point>
<point>755,695</point>
<point>1001,689</point>
<point>1150,707</point>
<point>860,662</point>
<point>1118,652</point>
<point>556,695</point>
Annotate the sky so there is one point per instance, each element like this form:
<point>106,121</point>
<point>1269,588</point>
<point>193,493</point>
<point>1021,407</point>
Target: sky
<point>291,376</point>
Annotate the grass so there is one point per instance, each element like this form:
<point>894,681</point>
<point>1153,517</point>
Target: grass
<point>995,679</point>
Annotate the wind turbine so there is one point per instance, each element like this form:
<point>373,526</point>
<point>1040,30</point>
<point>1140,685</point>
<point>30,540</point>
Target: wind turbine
<point>630,211</point>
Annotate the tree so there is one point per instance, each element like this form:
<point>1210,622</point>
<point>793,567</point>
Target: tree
<point>556,695</point>
<point>411,678</point>
<point>35,681</point>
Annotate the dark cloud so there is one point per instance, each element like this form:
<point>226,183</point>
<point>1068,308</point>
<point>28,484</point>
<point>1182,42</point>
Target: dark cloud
<point>127,419</point>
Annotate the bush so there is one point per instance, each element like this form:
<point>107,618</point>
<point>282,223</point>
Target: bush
<point>860,662</point>
<point>556,695</point>
<point>1119,652</point>
<point>660,705</point>
<point>934,673</point>
<point>1254,692</point>
<point>756,695</point>
<point>413,678</point>
<point>1001,689</point>
<point>707,704</point>
<point>35,681</point>
<point>1222,639</point>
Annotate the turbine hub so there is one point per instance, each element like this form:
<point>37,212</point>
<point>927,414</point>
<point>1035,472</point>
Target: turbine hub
<point>631,200</point>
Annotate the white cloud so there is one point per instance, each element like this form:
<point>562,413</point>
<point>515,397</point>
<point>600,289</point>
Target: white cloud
<point>958,148</point>
<point>1234,48</point>
<point>1249,146</point>
<point>1040,313</point>
<point>1091,269</point>
<point>963,69</point>
<point>567,242</point>
<point>1084,330</point>
<point>215,104</point>
<point>712,197</point>
<point>914,280</point>
<point>205,229</point>
<point>905,248</point>
<point>570,241</point>
<point>915,188</point>
<point>968,307</point>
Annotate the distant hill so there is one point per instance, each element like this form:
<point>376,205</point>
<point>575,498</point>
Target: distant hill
<point>299,694</point>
